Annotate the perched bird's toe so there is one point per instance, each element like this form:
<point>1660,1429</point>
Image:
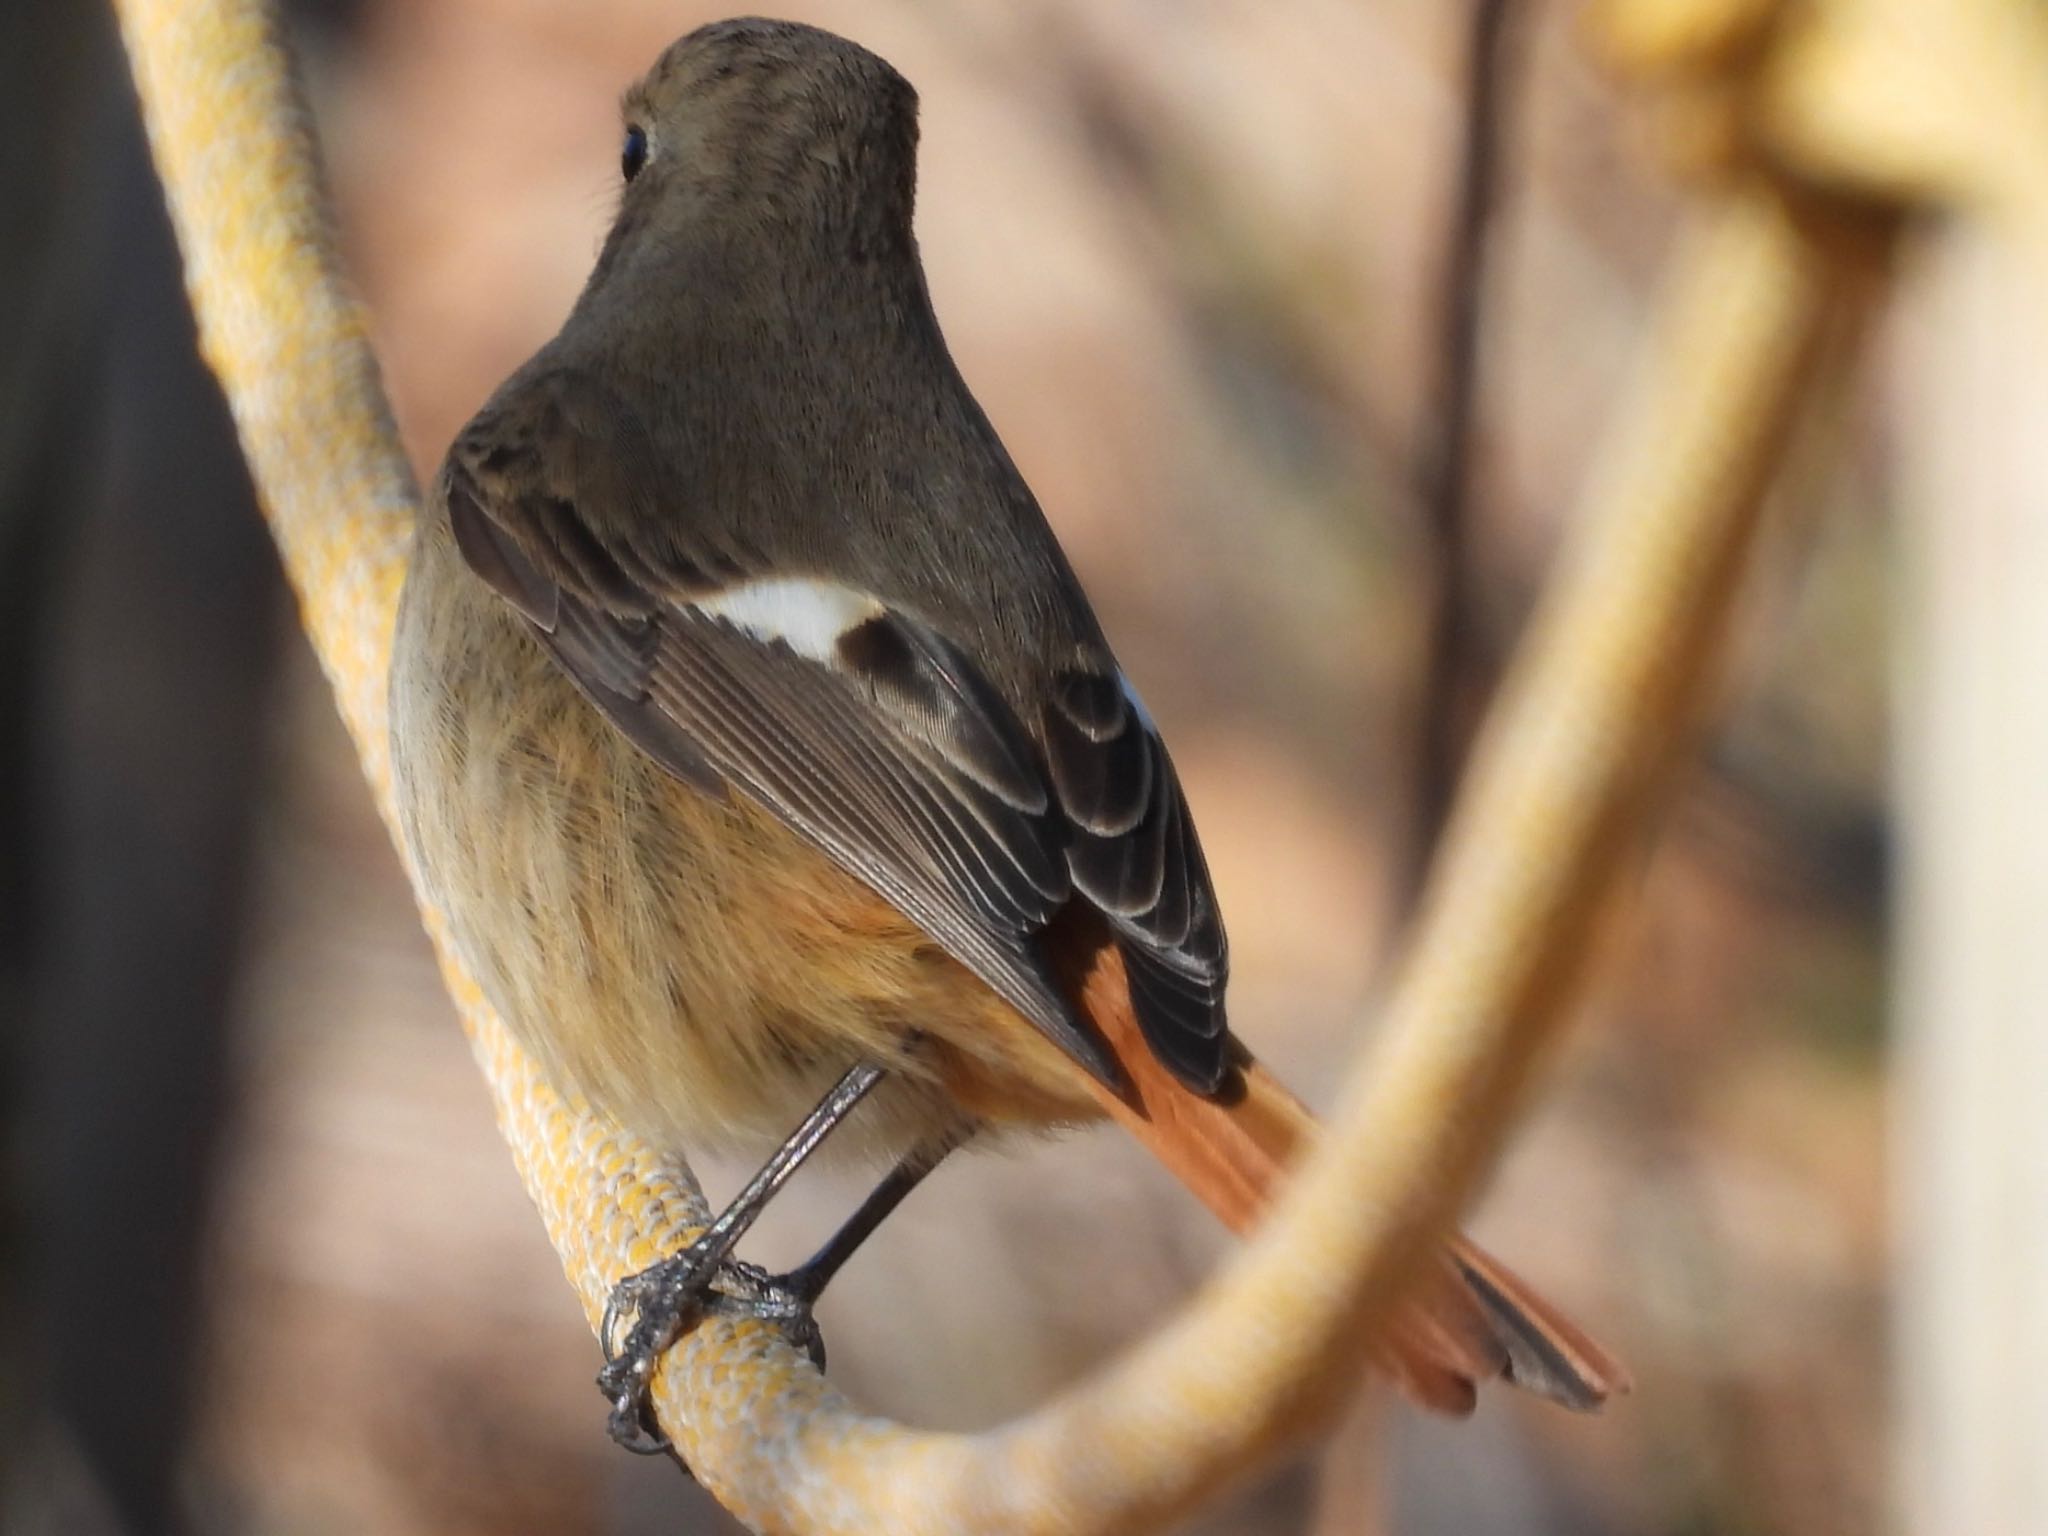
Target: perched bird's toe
<point>747,1290</point>
<point>663,1300</point>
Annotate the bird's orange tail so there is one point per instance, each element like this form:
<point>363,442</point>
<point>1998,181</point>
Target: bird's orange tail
<point>1470,1318</point>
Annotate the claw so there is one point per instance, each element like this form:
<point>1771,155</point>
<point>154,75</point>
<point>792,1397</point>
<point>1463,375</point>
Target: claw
<point>663,1300</point>
<point>631,1424</point>
<point>608,1325</point>
<point>627,1297</point>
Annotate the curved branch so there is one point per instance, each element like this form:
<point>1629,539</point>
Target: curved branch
<point>1587,719</point>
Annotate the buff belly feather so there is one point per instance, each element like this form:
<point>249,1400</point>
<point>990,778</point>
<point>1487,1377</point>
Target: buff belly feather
<point>682,961</point>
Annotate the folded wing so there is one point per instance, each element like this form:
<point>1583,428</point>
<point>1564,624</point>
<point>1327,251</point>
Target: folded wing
<point>865,730</point>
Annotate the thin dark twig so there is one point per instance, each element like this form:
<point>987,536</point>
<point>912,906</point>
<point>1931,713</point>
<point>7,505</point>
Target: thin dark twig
<point>1452,657</point>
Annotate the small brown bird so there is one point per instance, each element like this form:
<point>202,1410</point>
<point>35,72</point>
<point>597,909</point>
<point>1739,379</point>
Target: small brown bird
<point>759,744</point>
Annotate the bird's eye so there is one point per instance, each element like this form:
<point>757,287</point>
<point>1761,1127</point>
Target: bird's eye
<point>634,153</point>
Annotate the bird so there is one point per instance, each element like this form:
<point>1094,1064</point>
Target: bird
<point>757,742</point>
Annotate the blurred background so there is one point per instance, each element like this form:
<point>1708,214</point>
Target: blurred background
<point>264,1263</point>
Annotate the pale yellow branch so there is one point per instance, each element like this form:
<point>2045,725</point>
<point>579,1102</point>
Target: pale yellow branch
<point>1937,103</point>
<point>1591,714</point>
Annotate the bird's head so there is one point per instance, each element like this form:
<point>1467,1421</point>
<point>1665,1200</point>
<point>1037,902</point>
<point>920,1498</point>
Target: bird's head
<point>769,128</point>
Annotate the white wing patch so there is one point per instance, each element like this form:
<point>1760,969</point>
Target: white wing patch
<point>807,616</point>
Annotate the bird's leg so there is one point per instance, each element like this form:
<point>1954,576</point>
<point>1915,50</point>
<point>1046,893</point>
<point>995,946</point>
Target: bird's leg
<point>808,1280</point>
<point>663,1298</point>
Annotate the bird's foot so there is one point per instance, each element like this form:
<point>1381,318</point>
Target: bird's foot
<point>663,1300</point>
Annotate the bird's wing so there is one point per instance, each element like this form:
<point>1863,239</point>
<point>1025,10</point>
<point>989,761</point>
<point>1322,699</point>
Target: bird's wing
<point>861,727</point>
<point>1134,856</point>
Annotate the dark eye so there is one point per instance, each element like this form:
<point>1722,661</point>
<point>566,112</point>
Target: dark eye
<point>634,154</point>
